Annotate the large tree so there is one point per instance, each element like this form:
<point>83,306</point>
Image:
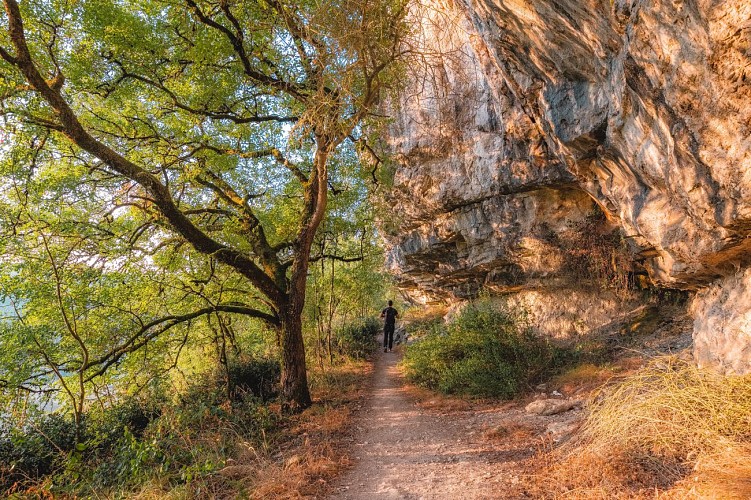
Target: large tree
<point>200,116</point>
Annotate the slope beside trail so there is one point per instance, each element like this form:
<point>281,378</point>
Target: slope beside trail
<point>407,449</point>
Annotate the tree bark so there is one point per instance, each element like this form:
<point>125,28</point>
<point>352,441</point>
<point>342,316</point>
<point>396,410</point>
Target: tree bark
<point>294,382</point>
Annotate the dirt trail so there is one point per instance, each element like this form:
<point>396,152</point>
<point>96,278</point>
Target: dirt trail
<point>407,450</point>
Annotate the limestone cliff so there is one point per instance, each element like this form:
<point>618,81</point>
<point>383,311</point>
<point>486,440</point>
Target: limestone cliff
<point>530,117</point>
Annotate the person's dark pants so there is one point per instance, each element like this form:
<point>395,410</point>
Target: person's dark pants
<point>388,336</point>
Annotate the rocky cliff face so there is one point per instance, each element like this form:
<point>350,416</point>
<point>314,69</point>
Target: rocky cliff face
<point>531,117</point>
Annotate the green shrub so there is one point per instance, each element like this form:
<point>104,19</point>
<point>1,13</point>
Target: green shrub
<point>357,339</point>
<point>181,441</point>
<point>256,377</point>
<point>106,427</point>
<point>124,446</point>
<point>46,445</point>
<point>250,377</point>
<point>485,351</point>
<point>34,450</point>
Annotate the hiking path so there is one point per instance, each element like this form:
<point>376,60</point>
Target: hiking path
<point>406,447</point>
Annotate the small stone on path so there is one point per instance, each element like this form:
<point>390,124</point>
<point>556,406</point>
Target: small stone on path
<point>548,407</point>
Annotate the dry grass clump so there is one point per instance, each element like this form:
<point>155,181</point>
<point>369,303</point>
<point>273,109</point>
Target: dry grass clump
<point>514,431</point>
<point>583,377</point>
<point>668,431</point>
<point>340,383</point>
<point>302,475</point>
<point>306,457</point>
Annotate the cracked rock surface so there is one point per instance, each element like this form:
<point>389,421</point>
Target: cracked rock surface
<point>535,114</point>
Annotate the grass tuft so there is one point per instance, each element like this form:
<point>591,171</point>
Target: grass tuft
<point>671,428</point>
<point>514,431</point>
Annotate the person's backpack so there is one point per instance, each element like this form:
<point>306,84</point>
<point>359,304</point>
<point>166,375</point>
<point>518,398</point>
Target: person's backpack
<point>390,314</point>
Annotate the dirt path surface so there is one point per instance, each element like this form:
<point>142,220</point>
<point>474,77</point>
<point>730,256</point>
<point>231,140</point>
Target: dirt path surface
<point>421,450</point>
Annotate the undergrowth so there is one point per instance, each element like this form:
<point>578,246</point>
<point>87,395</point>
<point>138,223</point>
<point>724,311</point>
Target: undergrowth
<point>485,351</point>
<point>357,339</point>
<point>121,447</point>
<point>199,444</point>
<point>671,427</point>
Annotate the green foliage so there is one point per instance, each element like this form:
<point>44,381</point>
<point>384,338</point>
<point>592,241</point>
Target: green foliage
<point>357,339</point>
<point>252,378</point>
<point>125,446</point>
<point>130,417</point>
<point>54,445</point>
<point>485,351</point>
<point>188,440</point>
<point>140,252</point>
<point>165,170</point>
<point>349,285</point>
<point>34,450</point>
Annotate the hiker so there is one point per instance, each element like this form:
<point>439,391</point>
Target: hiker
<point>390,315</point>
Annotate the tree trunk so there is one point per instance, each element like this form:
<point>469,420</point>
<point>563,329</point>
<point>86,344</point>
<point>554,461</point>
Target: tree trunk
<point>295,393</point>
<point>294,375</point>
<point>332,309</point>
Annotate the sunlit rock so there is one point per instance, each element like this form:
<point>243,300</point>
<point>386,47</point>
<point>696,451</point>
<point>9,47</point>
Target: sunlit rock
<point>529,116</point>
<point>722,324</point>
<point>548,407</point>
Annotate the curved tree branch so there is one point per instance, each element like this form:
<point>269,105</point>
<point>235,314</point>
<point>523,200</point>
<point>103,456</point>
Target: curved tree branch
<point>157,327</point>
<point>295,90</point>
<point>75,131</point>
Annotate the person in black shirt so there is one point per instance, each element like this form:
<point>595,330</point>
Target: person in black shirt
<point>389,314</point>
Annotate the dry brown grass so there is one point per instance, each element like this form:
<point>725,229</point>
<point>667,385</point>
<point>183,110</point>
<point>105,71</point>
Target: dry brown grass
<point>513,431</point>
<point>587,377</point>
<point>669,430</point>
<point>304,474</point>
<point>339,384</point>
<point>312,451</point>
<point>584,377</point>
